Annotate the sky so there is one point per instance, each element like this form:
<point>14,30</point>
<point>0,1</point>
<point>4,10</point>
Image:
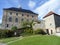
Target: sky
<point>41,7</point>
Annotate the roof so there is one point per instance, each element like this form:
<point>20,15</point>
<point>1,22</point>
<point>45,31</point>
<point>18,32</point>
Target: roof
<point>50,13</point>
<point>19,10</point>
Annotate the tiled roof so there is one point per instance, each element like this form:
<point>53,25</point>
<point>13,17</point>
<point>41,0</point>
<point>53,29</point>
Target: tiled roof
<point>50,13</point>
<point>20,10</point>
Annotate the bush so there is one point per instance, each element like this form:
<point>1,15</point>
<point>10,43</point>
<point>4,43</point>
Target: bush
<point>10,33</point>
<point>27,32</point>
<point>40,31</point>
<point>6,33</point>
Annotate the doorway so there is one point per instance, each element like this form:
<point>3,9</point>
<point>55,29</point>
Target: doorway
<point>47,31</point>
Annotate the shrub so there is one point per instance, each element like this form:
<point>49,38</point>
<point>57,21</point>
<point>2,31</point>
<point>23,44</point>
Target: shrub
<point>10,33</point>
<point>27,32</point>
<point>6,33</point>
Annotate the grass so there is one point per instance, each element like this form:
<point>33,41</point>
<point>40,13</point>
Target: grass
<point>5,40</point>
<point>34,40</point>
<point>38,40</point>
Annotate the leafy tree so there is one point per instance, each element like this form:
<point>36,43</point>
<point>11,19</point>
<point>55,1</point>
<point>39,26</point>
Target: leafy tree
<point>27,24</point>
<point>28,27</point>
<point>14,28</point>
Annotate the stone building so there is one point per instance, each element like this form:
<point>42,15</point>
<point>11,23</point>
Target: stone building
<point>15,16</point>
<point>40,25</point>
<point>52,23</point>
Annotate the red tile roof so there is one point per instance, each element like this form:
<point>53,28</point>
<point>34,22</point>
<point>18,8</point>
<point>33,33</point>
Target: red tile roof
<point>50,13</point>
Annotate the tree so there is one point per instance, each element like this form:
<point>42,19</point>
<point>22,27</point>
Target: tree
<point>27,24</point>
<point>14,28</point>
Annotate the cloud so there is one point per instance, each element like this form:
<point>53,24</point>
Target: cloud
<point>31,4</point>
<point>51,5</point>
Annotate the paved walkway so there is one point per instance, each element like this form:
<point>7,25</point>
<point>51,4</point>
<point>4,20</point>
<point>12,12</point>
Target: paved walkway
<point>2,44</point>
<point>12,41</point>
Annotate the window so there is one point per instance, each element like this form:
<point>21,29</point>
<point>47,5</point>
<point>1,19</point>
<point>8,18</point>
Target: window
<point>17,14</point>
<point>32,16</point>
<point>10,19</point>
<point>16,20</point>
<point>7,25</point>
<point>22,14</point>
<point>27,15</point>
<point>10,13</point>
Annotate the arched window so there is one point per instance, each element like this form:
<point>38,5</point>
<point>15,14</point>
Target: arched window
<point>10,19</point>
<point>16,20</point>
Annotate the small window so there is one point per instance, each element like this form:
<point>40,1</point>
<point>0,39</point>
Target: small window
<point>27,15</point>
<point>10,19</point>
<point>32,16</point>
<point>22,14</point>
<point>16,20</point>
<point>10,13</point>
<point>7,25</point>
<point>17,14</point>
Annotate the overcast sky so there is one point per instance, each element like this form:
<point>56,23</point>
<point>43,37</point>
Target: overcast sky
<point>42,7</point>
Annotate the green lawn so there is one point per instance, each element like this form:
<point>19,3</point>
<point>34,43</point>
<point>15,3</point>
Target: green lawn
<point>38,40</point>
